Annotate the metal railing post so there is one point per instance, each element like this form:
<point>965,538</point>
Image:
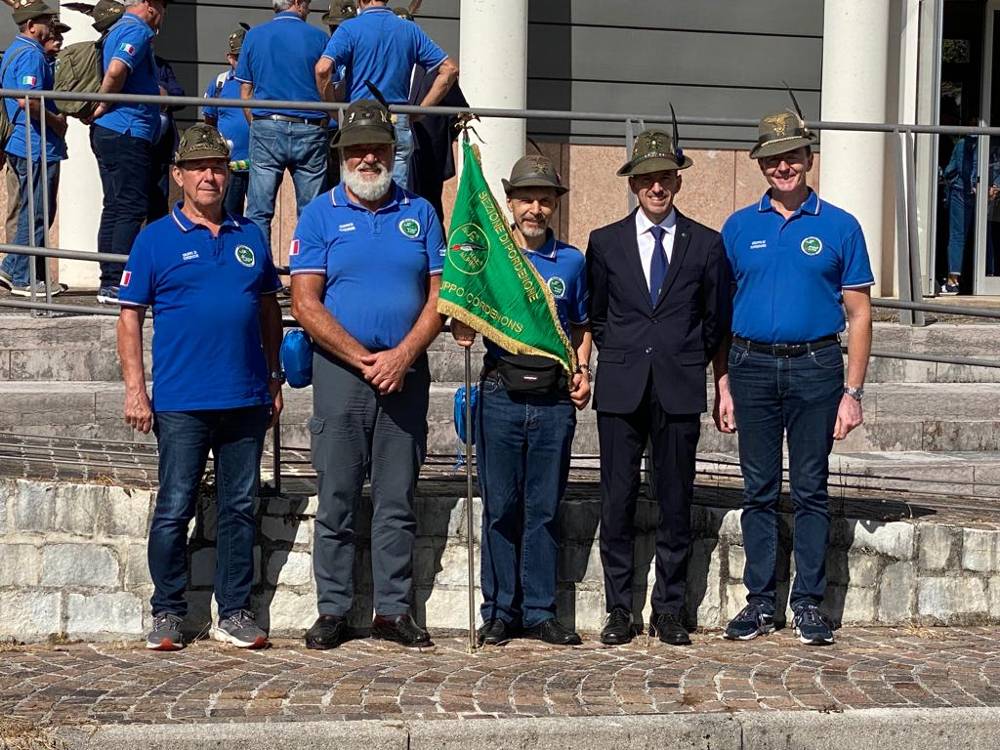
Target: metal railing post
<point>32,276</point>
<point>908,252</point>
<point>45,197</point>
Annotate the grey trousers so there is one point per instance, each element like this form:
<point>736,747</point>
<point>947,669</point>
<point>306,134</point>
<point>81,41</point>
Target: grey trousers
<point>356,433</point>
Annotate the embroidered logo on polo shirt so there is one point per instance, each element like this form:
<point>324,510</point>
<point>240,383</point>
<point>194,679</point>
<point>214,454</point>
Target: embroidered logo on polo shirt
<point>294,248</point>
<point>29,81</point>
<point>758,244</point>
<point>348,227</point>
<point>410,227</point>
<point>812,246</point>
<point>557,286</point>
<point>189,255</point>
<point>126,278</point>
<point>244,255</point>
<point>127,48</point>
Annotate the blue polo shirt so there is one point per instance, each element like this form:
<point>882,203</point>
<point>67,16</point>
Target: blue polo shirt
<point>231,121</point>
<point>25,66</point>
<point>381,47</point>
<point>279,58</point>
<point>376,264</point>
<point>205,294</point>
<point>790,273</point>
<point>563,269</point>
<point>131,41</point>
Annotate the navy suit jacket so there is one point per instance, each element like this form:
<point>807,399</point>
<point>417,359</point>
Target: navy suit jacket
<point>672,340</point>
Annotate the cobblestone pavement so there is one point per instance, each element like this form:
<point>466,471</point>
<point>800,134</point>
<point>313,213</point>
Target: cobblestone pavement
<point>867,668</point>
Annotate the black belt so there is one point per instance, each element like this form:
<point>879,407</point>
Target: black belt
<point>787,350</point>
<point>289,118</point>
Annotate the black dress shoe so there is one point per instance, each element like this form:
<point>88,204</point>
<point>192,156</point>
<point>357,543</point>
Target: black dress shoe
<point>554,632</point>
<point>327,632</point>
<point>619,628</point>
<point>400,629</point>
<point>493,633</point>
<point>669,628</point>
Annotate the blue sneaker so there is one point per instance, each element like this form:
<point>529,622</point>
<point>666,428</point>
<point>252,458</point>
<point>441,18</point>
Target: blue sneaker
<point>108,295</point>
<point>753,620</point>
<point>811,626</point>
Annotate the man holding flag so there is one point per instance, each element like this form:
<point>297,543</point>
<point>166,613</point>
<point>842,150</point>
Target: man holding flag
<point>365,264</point>
<point>526,419</point>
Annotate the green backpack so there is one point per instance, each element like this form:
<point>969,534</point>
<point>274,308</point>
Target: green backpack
<point>79,68</point>
<point>6,126</point>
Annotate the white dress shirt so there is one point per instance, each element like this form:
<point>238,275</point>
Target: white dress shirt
<point>646,240</point>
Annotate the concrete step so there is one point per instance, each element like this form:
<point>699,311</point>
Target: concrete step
<point>82,348</point>
<point>899,417</point>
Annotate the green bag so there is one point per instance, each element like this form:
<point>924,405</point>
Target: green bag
<point>79,68</point>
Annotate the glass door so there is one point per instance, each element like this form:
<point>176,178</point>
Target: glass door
<point>981,167</point>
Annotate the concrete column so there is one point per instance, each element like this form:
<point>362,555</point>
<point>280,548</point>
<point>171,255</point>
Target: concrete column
<point>80,193</point>
<point>852,167</point>
<point>494,73</point>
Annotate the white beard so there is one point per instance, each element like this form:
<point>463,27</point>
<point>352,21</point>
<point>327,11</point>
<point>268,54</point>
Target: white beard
<point>535,232</point>
<point>366,188</point>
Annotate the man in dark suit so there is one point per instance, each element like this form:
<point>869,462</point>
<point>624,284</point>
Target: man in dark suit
<point>659,308</point>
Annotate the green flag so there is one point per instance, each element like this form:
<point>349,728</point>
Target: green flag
<point>489,284</point>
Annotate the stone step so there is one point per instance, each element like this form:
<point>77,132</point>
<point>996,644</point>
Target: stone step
<point>82,348</point>
<point>73,561</point>
<point>899,417</point>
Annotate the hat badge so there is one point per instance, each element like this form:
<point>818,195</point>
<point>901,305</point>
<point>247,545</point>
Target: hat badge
<point>779,124</point>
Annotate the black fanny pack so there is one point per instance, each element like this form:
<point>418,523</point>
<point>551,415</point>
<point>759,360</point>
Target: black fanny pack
<point>531,374</point>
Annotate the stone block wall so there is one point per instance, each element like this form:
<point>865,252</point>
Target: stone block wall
<point>73,564</point>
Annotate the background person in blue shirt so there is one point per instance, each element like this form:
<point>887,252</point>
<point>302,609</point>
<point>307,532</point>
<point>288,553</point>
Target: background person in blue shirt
<point>26,66</point>
<point>209,279</point>
<point>165,143</point>
<point>337,13</point>
<point>381,47</point>
<point>797,263</point>
<point>524,439</point>
<point>276,62</point>
<point>122,135</point>
<point>366,262</point>
<point>232,123</point>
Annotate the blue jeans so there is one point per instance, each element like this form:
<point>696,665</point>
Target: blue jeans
<point>275,146</point>
<point>522,451</point>
<point>18,265</point>
<point>124,162</point>
<point>236,439</point>
<point>404,152</point>
<point>236,192</point>
<point>772,395</point>
<point>961,212</point>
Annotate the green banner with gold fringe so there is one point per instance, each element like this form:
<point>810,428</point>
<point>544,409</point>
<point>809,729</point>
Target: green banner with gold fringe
<point>489,284</point>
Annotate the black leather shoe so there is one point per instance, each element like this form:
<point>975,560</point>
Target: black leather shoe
<point>327,632</point>
<point>669,628</point>
<point>493,633</point>
<point>618,629</point>
<point>400,629</point>
<point>554,632</point>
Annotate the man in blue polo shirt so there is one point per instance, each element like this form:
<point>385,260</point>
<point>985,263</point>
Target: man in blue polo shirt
<point>209,279</point>
<point>366,262</point>
<point>797,263</point>
<point>122,135</point>
<point>276,62</point>
<point>524,433</point>
<point>232,123</point>
<point>25,66</point>
<point>381,47</point>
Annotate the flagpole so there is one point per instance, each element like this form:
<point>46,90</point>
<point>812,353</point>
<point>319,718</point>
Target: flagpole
<point>468,498</point>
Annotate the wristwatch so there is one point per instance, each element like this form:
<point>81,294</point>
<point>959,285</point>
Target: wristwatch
<point>856,393</point>
<point>277,375</point>
<point>583,369</point>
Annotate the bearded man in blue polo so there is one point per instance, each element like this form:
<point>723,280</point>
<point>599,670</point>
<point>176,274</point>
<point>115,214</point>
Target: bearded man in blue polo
<point>797,263</point>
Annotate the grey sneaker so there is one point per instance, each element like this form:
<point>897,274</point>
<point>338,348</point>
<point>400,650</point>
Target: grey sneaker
<point>811,626</point>
<point>241,630</point>
<point>25,291</point>
<point>166,633</point>
<point>753,620</point>
<point>108,295</point>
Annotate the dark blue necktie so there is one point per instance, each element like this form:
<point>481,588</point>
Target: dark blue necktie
<point>658,264</point>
